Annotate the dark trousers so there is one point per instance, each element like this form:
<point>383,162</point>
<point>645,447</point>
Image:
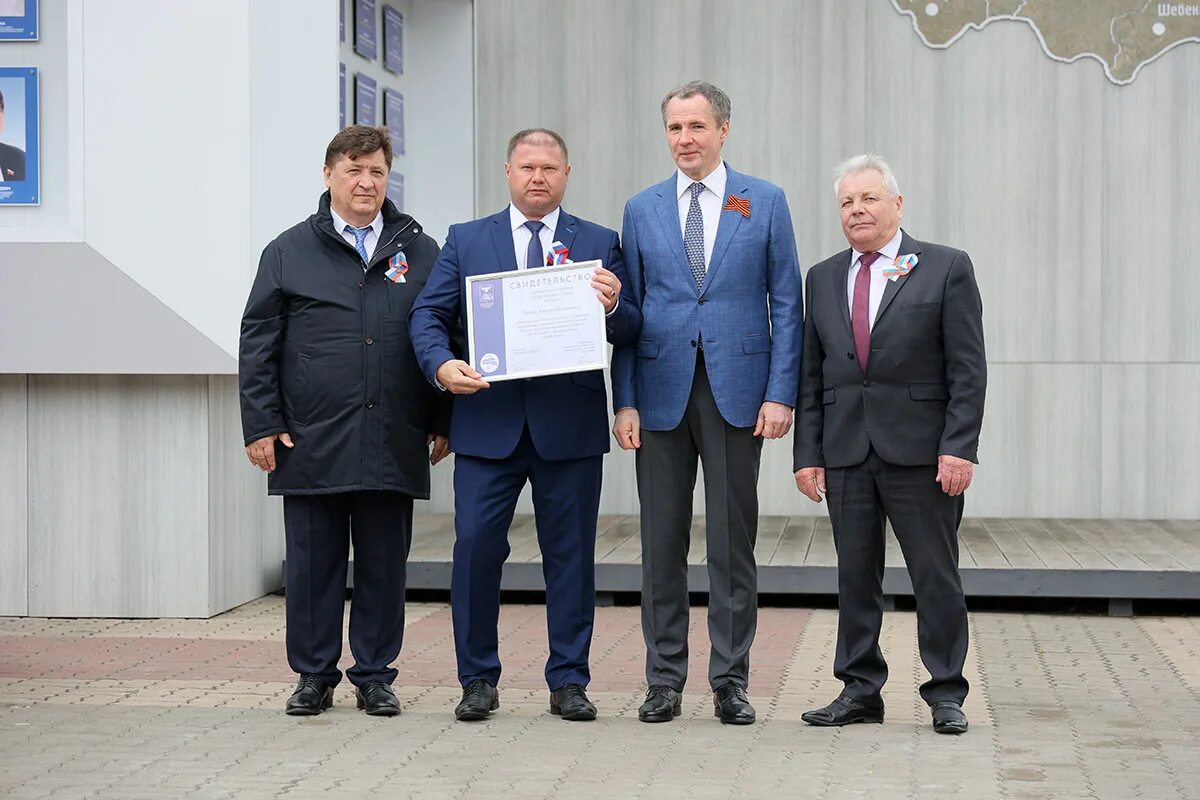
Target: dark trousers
<point>566,500</point>
<point>926,521</point>
<point>319,529</point>
<point>666,478</point>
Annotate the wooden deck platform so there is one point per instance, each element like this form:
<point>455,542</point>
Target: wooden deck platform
<point>1117,560</point>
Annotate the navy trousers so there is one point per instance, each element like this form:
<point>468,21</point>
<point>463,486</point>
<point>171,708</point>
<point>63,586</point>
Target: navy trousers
<point>319,529</point>
<point>566,500</point>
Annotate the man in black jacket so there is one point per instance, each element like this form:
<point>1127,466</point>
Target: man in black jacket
<point>327,371</point>
<point>891,404</point>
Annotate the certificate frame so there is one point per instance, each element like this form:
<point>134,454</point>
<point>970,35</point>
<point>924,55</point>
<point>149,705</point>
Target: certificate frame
<point>393,40</point>
<point>484,330</point>
<point>366,31</point>
<point>21,138</point>
<point>366,93</point>
<point>21,27</point>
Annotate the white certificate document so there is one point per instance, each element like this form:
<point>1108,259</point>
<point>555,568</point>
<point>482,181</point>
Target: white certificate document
<point>532,322</point>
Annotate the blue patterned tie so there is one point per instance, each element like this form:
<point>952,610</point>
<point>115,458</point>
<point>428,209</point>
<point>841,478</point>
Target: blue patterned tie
<point>693,236</point>
<point>534,256</point>
<point>360,240</point>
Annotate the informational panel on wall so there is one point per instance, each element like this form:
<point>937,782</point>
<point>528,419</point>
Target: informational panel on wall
<point>19,173</point>
<point>366,42</point>
<point>393,40</point>
<point>342,20</point>
<point>341,96</point>
<point>364,99</point>
<point>393,118</point>
<point>395,189</point>
<point>19,20</point>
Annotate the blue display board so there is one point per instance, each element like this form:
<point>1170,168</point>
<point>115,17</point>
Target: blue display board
<point>366,40</point>
<point>341,96</point>
<point>364,99</point>
<point>393,40</point>
<point>19,20</point>
<point>395,189</point>
<point>20,176</point>
<point>393,118</point>
<point>342,20</point>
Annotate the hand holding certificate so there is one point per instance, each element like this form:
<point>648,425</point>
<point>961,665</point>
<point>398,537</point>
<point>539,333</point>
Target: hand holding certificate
<point>545,321</point>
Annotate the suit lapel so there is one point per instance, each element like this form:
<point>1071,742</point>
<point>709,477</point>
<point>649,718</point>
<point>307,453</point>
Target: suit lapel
<point>502,240</point>
<point>839,287</point>
<point>727,224</point>
<point>907,245</point>
<point>564,232</point>
<point>668,217</point>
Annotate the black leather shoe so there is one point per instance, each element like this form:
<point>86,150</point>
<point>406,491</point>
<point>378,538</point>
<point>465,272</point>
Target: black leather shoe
<point>312,696</point>
<point>479,699</point>
<point>662,705</point>
<point>377,699</point>
<point>843,711</point>
<point>732,706</point>
<point>571,703</point>
<point>948,717</point>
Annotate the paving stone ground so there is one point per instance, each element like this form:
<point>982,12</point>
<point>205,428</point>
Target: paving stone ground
<point>1061,708</point>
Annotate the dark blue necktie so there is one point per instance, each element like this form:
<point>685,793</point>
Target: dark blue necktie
<point>534,257</point>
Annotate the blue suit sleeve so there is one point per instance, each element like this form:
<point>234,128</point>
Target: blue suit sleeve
<point>435,314</point>
<point>624,361</point>
<point>625,323</point>
<point>786,306</point>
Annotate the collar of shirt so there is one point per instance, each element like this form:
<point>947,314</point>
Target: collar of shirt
<point>339,225</point>
<point>887,253</point>
<point>714,181</point>
<point>517,220</point>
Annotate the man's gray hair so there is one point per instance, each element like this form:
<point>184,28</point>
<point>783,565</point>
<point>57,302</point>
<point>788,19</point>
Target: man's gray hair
<point>862,163</point>
<point>718,100</point>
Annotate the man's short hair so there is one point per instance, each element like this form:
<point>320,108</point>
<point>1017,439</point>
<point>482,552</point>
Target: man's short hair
<point>356,141</point>
<point>863,163</point>
<point>532,135</point>
<point>718,100</point>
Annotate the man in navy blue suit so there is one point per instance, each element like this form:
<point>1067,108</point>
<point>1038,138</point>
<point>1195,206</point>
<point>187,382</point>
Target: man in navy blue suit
<point>550,431</point>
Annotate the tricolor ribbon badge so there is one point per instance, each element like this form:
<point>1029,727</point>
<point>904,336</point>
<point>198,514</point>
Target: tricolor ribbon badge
<point>900,266</point>
<point>397,266</point>
<point>557,255</point>
<point>738,204</point>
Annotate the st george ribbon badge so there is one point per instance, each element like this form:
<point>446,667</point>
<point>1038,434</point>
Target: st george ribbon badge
<point>397,266</point>
<point>557,255</point>
<point>738,204</point>
<point>900,267</point>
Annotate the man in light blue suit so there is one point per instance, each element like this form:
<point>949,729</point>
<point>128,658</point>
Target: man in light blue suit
<point>551,431</point>
<point>711,260</point>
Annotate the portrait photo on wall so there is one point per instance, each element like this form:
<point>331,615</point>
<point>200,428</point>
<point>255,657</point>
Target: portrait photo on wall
<point>19,178</point>
<point>19,20</point>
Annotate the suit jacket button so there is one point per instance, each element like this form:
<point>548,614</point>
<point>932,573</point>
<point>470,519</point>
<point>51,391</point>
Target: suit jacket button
<point>703,300</point>
<point>693,342</point>
<point>370,340</point>
<point>850,356</point>
<point>866,383</point>
<point>370,404</point>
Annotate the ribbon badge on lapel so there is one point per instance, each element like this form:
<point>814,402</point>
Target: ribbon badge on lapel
<point>557,255</point>
<point>738,204</point>
<point>901,266</point>
<point>397,266</point>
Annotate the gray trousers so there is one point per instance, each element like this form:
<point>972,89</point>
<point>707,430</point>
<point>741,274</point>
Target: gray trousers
<point>666,478</point>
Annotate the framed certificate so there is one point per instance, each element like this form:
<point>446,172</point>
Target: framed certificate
<point>393,40</point>
<point>20,173</point>
<point>528,323</point>
<point>364,99</point>
<point>366,41</point>
<point>19,20</point>
<point>393,118</point>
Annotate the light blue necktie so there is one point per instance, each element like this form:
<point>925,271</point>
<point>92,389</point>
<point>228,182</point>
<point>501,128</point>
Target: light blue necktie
<point>693,236</point>
<point>533,256</point>
<point>360,240</point>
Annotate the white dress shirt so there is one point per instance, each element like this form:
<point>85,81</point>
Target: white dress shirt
<point>711,200</point>
<point>521,234</point>
<point>372,240</point>
<point>887,254</point>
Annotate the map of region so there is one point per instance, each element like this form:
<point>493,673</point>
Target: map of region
<point>1123,35</point>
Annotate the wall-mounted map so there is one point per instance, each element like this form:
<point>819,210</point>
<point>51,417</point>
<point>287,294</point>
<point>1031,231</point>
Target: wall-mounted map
<point>1123,35</point>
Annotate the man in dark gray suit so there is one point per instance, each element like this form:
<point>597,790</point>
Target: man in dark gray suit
<point>891,403</point>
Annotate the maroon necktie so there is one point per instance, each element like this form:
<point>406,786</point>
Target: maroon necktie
<point>860,310</point>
